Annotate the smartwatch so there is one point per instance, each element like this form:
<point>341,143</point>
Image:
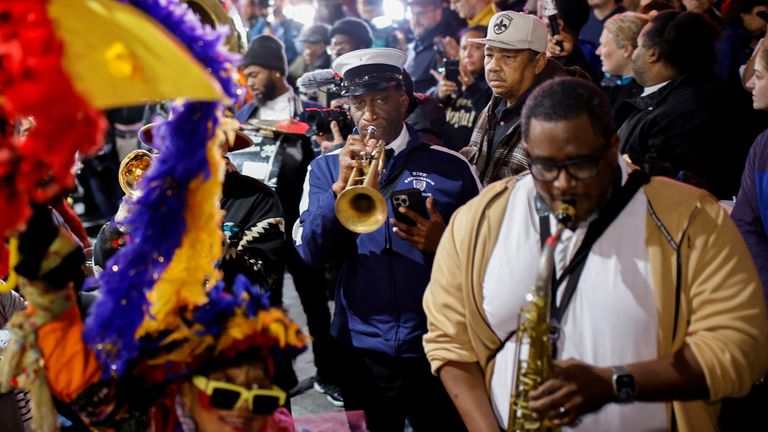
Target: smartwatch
<point>623,384</point>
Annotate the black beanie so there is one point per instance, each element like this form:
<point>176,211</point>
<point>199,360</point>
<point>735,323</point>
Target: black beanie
<point>355,28</point>
<point>267,52</point>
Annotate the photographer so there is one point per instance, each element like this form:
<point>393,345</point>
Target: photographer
<point>428,25</point>
<point>462,90</point>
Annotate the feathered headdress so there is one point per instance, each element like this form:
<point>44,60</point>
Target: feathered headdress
<point>160,301</point>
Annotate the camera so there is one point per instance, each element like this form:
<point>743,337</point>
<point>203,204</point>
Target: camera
<point>450,68</point>
<point>319,121</point>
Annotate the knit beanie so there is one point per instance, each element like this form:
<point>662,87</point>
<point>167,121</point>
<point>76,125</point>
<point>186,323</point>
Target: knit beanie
<point>268,52</point>
<point>355,28</point>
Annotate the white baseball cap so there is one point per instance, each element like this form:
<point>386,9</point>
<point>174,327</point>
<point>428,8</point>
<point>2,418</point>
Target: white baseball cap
<point>514,30</point>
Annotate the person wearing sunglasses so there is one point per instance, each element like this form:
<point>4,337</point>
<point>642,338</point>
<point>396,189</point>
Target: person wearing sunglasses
<point>238,398</point>
<point>654,292</point>
<point>216,375</point>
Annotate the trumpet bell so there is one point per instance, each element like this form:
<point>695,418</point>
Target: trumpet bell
<point>361,209</point>
<point>132,169</point>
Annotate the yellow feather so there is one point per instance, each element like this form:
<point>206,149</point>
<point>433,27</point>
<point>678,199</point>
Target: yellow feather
<point>192,268</point>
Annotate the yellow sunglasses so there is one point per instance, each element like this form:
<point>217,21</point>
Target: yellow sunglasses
<point>226,396</point>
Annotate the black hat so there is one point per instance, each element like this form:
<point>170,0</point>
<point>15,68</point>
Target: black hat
<point>318,33</point>
<point>355,28</point>
<point>368,70</point>
<point>268,52</point>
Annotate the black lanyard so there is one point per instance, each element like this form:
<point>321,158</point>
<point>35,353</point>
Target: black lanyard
<point>573,270</point>
<point>608,214</point>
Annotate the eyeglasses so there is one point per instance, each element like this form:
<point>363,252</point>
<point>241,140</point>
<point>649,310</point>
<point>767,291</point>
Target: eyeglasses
<point>226,396</point>
<point>580,168</point>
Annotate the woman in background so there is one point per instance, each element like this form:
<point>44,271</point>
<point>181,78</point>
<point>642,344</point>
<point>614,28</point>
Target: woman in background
<point>467,96</point>
<point>617,44</point>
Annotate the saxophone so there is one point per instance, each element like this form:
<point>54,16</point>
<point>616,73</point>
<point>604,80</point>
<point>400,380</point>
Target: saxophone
<point>533,351</point>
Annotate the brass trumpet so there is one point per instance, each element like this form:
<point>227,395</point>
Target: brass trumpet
<point>132,169</point>
<point>361,207</point>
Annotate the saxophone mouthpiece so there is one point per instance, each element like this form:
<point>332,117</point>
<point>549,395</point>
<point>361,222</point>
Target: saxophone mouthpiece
<point>565,213</point>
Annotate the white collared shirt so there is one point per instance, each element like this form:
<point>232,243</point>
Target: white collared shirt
<point>653,88</point>
<point>279,108</point>
<point>612,318</point>
<point>401,141</point>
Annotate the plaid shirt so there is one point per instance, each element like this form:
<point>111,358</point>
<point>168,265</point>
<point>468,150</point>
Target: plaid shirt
<point>509,157</point>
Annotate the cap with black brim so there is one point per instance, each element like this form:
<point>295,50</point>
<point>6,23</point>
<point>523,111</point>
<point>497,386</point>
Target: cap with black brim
<point>146,136</point>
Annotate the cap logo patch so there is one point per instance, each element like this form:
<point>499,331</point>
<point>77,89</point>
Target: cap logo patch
<point>502,24</point>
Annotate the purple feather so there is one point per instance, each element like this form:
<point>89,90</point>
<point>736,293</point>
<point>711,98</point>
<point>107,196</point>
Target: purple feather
<point>156,222</point>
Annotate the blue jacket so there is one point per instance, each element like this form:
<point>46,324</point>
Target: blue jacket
<point>383,278</point>
<point>751,210</point>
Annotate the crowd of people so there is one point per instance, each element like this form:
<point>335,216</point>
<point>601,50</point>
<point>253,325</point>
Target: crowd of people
<point>463,130</point>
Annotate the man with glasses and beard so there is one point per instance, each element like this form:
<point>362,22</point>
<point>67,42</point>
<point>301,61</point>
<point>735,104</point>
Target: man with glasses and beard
<point>654,297</point>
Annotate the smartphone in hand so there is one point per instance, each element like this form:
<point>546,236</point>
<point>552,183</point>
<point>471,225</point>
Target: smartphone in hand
<point>451,69</point>
<point>411,199</point>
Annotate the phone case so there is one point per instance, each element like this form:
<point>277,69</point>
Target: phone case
<point>410,198</point>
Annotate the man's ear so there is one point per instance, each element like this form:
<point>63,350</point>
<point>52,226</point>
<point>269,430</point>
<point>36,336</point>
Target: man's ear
<point>541,61</point>
<point>405,102</point>
<point>653,55</point>
<point>615,141</point>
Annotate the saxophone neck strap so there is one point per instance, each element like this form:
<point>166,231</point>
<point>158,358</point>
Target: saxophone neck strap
<point>610,211</point>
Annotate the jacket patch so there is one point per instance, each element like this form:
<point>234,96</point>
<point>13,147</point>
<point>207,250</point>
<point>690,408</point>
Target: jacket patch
<point>419,180</point>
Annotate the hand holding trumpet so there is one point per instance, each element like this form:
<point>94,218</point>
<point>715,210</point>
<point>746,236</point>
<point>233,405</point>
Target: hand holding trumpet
<point>355,154</point>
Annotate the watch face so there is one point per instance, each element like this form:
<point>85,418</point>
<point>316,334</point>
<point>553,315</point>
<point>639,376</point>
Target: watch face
<point>625,387</point>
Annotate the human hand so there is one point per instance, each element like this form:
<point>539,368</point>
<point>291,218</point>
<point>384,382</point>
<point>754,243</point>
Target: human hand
<point>445,88</point>
<point>451,47</point>
<point>425,236</point>
<point>328,142</point>
<point>554,50</point>
<point>575,389</point>
<point>466,77</point>
<point>351,157</point>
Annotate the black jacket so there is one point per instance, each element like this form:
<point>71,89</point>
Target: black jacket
<point>618,93</point>
<point>689,130</point>
<point>254,229</point>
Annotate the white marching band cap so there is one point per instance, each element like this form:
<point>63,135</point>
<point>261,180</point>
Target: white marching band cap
<point>512,30</point>
<point>370,69</point>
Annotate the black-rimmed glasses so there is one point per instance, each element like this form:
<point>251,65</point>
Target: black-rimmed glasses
<point>580,168</point>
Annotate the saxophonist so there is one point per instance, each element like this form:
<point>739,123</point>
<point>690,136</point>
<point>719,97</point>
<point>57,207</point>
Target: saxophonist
<point>657,304</point>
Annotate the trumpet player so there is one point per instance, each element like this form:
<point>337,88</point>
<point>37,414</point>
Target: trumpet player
<point>656,304</point>
<point>379,321</point>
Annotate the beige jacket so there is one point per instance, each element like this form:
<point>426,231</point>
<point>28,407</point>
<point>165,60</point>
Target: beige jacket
<point>721,312</point>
